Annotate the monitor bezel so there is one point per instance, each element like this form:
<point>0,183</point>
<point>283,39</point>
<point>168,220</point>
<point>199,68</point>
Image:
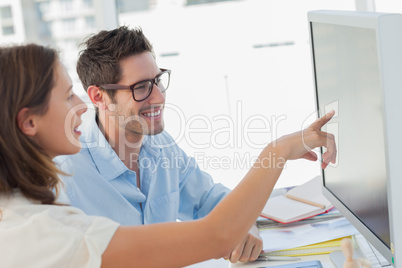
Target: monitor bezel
<point>390,61</point>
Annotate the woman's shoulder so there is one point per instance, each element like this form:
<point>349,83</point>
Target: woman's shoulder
<point>17,207</point>
<point>55,228</point>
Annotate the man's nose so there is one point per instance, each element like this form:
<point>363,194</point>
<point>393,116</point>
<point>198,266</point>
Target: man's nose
<point>156,95</point>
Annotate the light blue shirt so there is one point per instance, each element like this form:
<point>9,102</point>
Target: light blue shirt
<point>172,185</point>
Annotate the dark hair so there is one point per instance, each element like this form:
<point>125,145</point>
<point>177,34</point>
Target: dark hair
<point>99,62</point>
<point>26,80</point>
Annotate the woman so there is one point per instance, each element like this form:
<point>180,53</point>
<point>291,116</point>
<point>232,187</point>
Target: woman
<point>39,117</point>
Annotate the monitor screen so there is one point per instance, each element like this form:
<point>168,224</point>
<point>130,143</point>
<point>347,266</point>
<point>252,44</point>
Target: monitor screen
<point>357,67</point>
<point>350,84</point>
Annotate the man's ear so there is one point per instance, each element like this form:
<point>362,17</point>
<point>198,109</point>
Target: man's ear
<point>26,122</point>
<point>97,97</point>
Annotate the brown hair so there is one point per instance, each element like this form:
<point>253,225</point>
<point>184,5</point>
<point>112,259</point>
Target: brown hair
<point>26,80</point>
<point>99,62</point>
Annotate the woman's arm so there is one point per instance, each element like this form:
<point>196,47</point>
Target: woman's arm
<point>179,244</point>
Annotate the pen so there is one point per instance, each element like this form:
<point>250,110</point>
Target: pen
<point>277,258</point>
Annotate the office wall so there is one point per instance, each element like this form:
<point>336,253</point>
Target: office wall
<point>241,77</point>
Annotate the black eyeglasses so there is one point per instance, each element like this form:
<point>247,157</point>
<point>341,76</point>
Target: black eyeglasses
<point>141,90</point>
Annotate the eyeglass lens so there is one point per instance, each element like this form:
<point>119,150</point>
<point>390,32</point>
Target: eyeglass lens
<point>142,90</point>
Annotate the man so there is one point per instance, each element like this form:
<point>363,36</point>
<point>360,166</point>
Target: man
<point>129,168</point>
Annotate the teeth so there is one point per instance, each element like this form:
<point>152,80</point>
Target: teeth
<point>153,114</point>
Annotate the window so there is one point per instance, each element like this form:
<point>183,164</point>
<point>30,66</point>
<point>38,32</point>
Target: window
<point>44,7</point>
<point>66,4</point>
<point>197,2</point>
<point>8,30</point>
<point>90,22</point>
<point>88,3</point>
<point>132,6</point>
<point>5,12</point>
<point>68,25</point>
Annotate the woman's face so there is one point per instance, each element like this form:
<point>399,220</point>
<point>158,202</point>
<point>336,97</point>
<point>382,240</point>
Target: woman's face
<point>57,129</point>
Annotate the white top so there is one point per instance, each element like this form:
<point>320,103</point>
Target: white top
<point>34,235</point>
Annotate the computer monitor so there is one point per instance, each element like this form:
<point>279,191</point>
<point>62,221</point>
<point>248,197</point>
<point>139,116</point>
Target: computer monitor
<point>357,65</point>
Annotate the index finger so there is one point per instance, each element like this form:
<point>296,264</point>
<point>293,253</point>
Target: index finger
<point>322,120</point>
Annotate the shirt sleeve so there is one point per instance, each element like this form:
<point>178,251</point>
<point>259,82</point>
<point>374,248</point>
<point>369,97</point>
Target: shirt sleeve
<point>198,194</point>
<point>94,241</point>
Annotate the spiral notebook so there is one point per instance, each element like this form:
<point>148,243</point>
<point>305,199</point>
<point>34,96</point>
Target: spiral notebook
<point>300,202</point>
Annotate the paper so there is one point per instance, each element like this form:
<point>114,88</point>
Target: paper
<point>285,210</point>
<point>310,193</point>
<point>277,239</point>
<point>298,203</point>
<point>305,264</point>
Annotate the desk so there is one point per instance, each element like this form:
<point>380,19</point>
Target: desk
<point>221,263</point>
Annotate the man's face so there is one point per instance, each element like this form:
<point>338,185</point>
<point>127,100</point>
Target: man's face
<point>145,117</point>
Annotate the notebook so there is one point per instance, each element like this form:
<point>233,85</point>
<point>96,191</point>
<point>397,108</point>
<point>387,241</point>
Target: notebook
<point>325,247</point>
<point>304,264</point>
<point>300,202</point>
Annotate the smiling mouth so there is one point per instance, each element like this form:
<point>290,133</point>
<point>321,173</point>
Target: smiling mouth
<point>153,114</point>
<point>76,130</point>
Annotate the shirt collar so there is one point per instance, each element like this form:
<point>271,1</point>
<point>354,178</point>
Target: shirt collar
<point>105,158</point>
<point>16,198</point>
<point>151,146</point>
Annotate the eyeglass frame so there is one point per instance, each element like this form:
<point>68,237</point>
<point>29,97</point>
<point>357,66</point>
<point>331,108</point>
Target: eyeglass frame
<point>131,87</point>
